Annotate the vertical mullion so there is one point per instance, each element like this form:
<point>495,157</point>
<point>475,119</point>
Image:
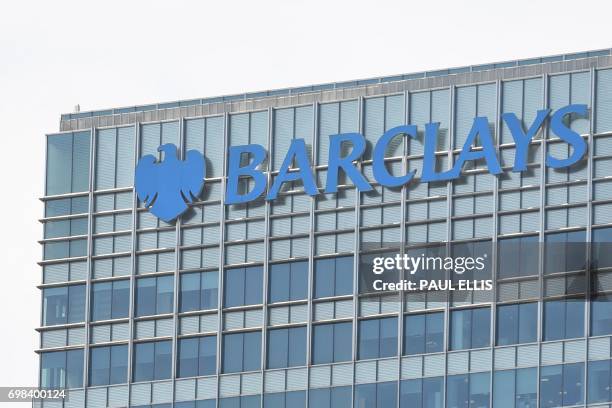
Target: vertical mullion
<point>133,271</point>
<point>266,262</point>
<point>92,142</point>
<point>356,243</point>
<point>311,251</point>
<point>221,277</point>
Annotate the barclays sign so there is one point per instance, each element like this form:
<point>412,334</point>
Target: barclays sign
<point>167,187</point>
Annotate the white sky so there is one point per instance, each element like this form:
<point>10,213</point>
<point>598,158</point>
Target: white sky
<point>56,54</point>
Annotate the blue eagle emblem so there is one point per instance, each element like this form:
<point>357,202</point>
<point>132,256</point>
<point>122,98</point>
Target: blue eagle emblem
<point>167,187</point>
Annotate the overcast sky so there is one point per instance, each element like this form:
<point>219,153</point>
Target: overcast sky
<point>56,54</point>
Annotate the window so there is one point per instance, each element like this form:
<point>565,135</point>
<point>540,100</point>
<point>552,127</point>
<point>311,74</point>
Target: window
<point>204,135</point>
<point>289,124</point>
<point>517,323</point>
<point>600,381</point>
<point>288,281</point>
<point>563,319</point>
<point>467,391</point>
<point>422,393</point>
<point>210,403</point>
<point>331,342</point>
<point>335,397</point>
<point>66,206</point>
<point>108,365</point>
<point>565,251</point>
<point>470,328</point>
<point>199,291</point>
<point>154,295</point>
<point>423,333</point>
<point>561,385</point>
<point>333,276</point>
<point>152,360</point>
<point>377,395</point>
<point>115,157</point>
<point>377,338</point>
<point>66,228</point>
<point>61,369</point>
<point>291,399</point>
<point>197,356</point>
<point>243,286</point>
<point>241,352</point>
<point>110,300</point>
<point>515,388</point>
<point>600,248</point>
<point>64,304</point>
<point>65,249</point>
<point>246,401</point>
<point>67,163</point>
<point>287,347</point>
<point>518,257</point>
<point>601,315</point>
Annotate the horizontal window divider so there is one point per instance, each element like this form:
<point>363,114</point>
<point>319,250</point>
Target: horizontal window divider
<point>242,330</point>
<point>154,251</point>
<point>61,239</point>
<point>112,233</point>
<point>112,212</point>
<point>62,348</point>
<point>470,306</point>
<point>155,229</point>
<point>333,320</point>
<point>109,321</point>
<point>62,217</point>
<point>473,194</point>
<point>333,232</point>
<point>199,225</point>
<point>381,204</point>
<point>242,264</point>
<point>197,335</point>
<point>471,216</point>
<point>243,308</point>
<point>61,260</point>
<point>152,339</point>
<point>241,220</point>
<point>198,246</point>
<point>377,316</point>
<point>328,299</point>
<point>113,190</point>
<point>153,317</point>
<point>244,241</point>
<point>64,326</point>
<point>65,195</point>
<point>152,274</point>
<point>425,311</point>
<point>519,211</point>
<point>282,237</point>
<point>60,284</point>
<point>109,343</point>
<point>202,312</point>
<point>289,215</point>
<point>566,229</point>
<point>333,210</point>
<point>286,303</point>
<point>527,187</point>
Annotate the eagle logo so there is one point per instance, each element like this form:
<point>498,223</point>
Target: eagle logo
<point>167,187</point>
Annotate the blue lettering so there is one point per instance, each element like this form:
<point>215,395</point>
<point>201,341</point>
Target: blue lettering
<point>335,162</point>
<point>567,135</point>
<point>521,138</point>
<point>381,174</point>
<point>235,171</point>
<point>297,150</point>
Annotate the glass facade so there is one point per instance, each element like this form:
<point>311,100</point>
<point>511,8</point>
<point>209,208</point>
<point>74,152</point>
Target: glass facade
<point>260,304</point>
